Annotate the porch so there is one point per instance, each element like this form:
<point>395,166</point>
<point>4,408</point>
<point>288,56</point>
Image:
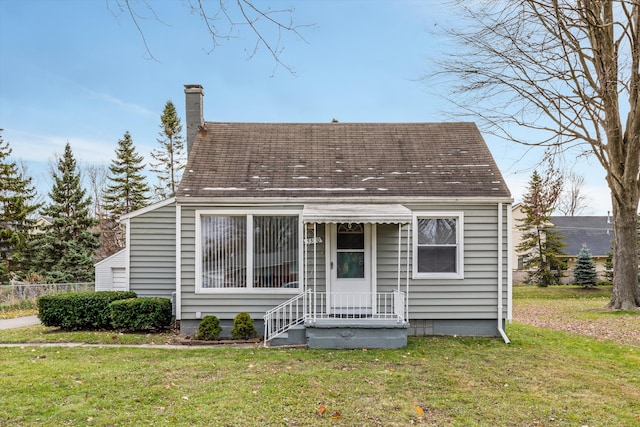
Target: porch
<point>343,302</point>
<point>315,319</point>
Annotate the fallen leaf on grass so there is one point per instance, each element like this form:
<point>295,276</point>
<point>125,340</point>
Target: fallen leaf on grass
<point>336,415</point>
<point>419,410</point>
<point>322,409</point>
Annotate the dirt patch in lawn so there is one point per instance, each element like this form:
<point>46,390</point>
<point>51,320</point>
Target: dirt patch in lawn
<point>582,316</point>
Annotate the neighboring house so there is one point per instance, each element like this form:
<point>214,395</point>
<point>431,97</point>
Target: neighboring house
<point>337,235</point>
<point>596,232</point>
<point>41,223</point>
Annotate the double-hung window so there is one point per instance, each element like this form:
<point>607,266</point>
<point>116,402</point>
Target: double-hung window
<point>438,245</point>
<point>247,252</point>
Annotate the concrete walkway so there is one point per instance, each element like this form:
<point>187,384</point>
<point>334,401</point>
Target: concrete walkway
<point>19,322</point>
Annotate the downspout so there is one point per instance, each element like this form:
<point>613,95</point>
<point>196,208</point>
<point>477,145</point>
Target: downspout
<point>500,275</point>
<point>510,252</point>
<point>178,262</point>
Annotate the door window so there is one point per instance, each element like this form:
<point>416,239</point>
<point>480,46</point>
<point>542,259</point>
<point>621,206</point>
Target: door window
<point>350,251</point>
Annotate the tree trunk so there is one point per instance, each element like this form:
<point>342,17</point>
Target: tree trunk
<point>626,293</point>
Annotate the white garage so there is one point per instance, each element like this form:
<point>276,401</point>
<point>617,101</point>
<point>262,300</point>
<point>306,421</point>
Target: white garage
<point>111,273</point>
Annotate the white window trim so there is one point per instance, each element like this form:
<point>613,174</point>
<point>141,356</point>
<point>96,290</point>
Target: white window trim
<point>249,214</point>
<point>459,216</point>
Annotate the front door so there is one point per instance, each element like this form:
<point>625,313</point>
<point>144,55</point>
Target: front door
<point>350,287</point>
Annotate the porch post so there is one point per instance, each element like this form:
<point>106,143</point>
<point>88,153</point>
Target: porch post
<point>399,252</point>
<point>406,298</point>
<point>315,272</point>
<point>305,271</point>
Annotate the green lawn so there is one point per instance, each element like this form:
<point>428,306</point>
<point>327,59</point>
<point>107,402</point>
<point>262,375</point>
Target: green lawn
<point>543,378</point>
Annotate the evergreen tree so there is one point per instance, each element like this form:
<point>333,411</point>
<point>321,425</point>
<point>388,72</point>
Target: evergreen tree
<point>127,191</point>
<point>170,158</point>
<point>64,252</point>
<point>17,206</point>
<point>541,245</point>
<point>584,273</point>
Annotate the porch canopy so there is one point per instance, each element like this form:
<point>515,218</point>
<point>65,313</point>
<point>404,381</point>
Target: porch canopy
<point>336,213</point>
<point>364,213</point>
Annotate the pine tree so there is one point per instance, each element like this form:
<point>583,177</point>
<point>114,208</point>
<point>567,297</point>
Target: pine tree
<point>584,272</point>
<point>64,252</point>
<point>127,191</point>
<point>17,204</point>
<point>541,245</point>
<point>171,158</point>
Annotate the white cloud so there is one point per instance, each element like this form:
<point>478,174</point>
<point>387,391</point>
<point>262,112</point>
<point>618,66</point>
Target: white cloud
<point>122,104</point>
<point>34,147</point>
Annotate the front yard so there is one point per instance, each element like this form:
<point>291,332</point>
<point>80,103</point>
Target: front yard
<point>545,377</point>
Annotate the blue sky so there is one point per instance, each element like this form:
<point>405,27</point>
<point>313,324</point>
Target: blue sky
<point>78,71</point>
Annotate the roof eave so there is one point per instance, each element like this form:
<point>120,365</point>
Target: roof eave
<point>219,201</point>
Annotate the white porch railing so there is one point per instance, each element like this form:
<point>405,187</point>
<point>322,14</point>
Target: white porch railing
<point>280,319</point>
<point>342,305</point>
<point>312,306</point>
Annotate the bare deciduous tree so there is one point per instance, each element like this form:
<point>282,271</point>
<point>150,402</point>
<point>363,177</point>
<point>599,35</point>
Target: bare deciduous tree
<point>223,20</point>
<point>573,201</point>
<point>569,72</point>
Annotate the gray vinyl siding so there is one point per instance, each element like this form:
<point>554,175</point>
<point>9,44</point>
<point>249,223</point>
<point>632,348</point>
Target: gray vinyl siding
<point>152,252</point>
<point>321,264</point>
<point>471,298</point>
<point>475,296</point>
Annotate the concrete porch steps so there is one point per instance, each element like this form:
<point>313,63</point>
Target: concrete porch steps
<point>345,334</point>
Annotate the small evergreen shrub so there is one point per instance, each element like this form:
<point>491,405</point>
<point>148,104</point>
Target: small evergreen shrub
<point>584,273</point>
<point>79,310</point>
<point>208,329</point>
<point>243,326</point>
<point>141,314</point>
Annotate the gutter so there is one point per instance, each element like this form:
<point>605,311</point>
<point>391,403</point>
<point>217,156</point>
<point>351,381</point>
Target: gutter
<point>500,276</point>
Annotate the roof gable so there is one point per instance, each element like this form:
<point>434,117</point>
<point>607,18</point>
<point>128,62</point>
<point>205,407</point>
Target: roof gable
<point>341,159</point>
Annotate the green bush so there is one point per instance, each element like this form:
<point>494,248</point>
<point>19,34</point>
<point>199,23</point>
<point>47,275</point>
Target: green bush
<point>141,314</point>
<point>209,328</point>
<point>79,310</point>
<point>243,326</point>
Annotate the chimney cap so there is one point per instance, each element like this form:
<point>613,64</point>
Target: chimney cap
<point>193,86</point>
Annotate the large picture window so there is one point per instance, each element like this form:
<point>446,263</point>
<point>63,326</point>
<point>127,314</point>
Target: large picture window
<point>437,245</point>
<point>248,252</point>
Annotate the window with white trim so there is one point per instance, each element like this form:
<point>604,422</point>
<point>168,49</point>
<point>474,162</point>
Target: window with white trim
<point>437,245</point>
<point>247,252</point>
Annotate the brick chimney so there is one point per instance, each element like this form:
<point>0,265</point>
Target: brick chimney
<point>194,116</point>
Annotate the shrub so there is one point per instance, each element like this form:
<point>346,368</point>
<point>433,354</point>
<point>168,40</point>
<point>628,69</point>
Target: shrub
<point>584,273</point>
<point>141,314</point>
<point>209,328</point>
<point>79,310</point>
<point>243,326</point>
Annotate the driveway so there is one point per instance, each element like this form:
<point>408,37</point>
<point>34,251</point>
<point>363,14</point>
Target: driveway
<point>19,322</point>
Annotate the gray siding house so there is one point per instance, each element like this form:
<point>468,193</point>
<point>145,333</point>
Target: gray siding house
<point>335,235</point>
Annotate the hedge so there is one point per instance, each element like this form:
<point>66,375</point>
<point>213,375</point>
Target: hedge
<point>79,310</point>
<point>141,314</point>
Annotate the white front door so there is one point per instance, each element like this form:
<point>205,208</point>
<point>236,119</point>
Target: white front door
<point>350,290</point>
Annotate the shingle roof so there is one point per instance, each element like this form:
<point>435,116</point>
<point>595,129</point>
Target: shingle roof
<point>594,231</point>
<point>341,159</point>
